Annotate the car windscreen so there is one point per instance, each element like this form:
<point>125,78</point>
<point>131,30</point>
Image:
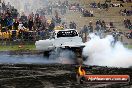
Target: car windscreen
<point>70,33</point>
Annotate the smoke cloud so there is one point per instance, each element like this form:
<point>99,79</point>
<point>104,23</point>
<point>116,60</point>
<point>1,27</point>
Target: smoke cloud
<point>63,57</point>
<point>27,6</point>
<point>24,59</point>
<point>102,52</point>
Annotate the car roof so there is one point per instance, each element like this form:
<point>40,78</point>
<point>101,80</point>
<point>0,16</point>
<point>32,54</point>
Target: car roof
<point>65,30</point>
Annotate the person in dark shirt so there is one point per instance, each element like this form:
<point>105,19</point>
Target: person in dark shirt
<point>74,25</point>
<point>85,28</point>
<point>3,5</point>
<point>16,24</point>
<point>71,25</point>
<point>30,23</point>
<point>38,24</point>
<point>24,20</point>
<point>9,23</point>
<point>3,22</point>
<point>51,26</point>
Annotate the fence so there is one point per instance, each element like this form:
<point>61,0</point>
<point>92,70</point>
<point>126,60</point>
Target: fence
<point>19,36</point>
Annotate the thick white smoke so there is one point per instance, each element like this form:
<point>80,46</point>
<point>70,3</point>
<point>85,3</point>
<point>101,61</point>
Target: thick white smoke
<point>63,57</point>
<point>102,52</point>
<point>27,6</point>
<point>24,59</point>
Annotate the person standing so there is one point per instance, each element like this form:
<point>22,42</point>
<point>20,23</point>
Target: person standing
<point>16,24</point>
<point>30,24</point>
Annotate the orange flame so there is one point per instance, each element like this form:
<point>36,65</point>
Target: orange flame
<point>81,71</point>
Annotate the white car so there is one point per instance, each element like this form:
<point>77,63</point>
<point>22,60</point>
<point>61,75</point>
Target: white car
<point>65,39</point>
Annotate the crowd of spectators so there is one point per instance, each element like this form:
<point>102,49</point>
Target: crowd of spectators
<point>88,29</point>
<point>128,24</point>
<point>129,35</point>
<point>102,28</point>
<point>105,5</point>
<point>48,10</point>
<point>75,7</point>
<point>34,24</point>
<point>126,12</point>
<point>83,11</point>
<point>72,25</point>
<point>116,5</point>
<point>99,28</point>
<point>11,19</point>
<point>111,28</point>
<point>87,13</point>
<point>37,23</point>
<point>99,5</point>
<point>8,17</point>
<point>125,1</point>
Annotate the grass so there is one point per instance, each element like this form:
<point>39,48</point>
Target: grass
<point>17,47</point>
<point>30,47</point>
<point>128,46</point>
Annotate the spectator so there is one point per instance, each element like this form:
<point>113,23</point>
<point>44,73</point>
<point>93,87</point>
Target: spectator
<point>30,23</point>
<point>63,9</point>
<point>9,22</point>
<point>23,20</point>
<point>99,5</point>
<point>93,5</point>
<point>71,25</point>
<point>111,25</point>
<point>90,27</point>
<point>85,29</point>
<point>3,6</point>
<point>74,25</point>
<point>3,21</point>
<point>16,24</point>
<point>51,26</point>
<point>8,5</point>
<point>116,35</point>
<point>49,10</point>
<point>128,24</point>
